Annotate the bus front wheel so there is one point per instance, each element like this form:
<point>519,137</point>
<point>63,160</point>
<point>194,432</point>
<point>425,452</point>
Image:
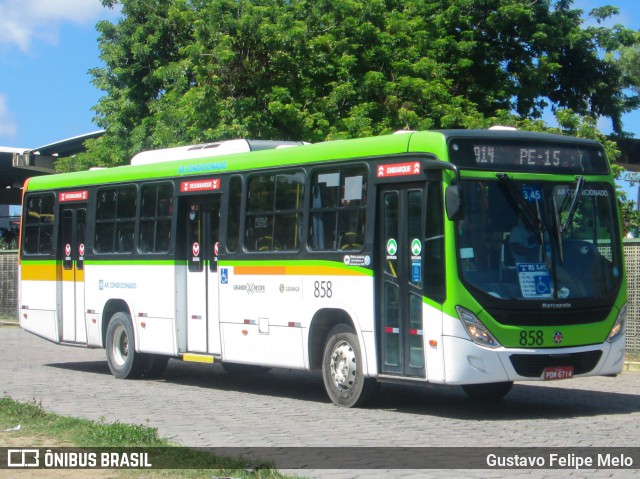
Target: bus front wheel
<point>122,358</point>
<point>342,369</point>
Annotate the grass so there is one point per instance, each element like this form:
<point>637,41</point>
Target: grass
<point>38,426</point>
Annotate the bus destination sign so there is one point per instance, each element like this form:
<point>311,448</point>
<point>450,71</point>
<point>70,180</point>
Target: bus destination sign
<point>529,156</point>
<point>209,184</point>
<point>399,169</point>
<point>67,196</point>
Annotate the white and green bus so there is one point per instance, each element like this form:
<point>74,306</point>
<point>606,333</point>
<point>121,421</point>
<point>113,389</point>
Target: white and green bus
<point>457,257</point>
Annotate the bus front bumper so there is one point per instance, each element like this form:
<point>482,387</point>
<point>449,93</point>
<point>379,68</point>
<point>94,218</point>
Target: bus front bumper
<point>468,363</point>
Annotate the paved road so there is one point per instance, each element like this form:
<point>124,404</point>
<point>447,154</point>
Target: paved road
<point>201,405</point>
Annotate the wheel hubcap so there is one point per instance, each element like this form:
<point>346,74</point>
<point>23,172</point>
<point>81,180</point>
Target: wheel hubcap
<point>343,366</point>
<point>120,346</point>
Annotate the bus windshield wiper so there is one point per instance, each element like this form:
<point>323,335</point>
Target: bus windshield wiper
<point>557,227</point>
<point>531,219</point>
<point>574,203</point>
<point>560,227</point>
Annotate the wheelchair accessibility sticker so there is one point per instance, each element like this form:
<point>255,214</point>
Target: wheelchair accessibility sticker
<point>535,281</point>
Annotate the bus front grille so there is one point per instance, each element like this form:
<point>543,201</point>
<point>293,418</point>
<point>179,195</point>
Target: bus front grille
<point>532,365</point>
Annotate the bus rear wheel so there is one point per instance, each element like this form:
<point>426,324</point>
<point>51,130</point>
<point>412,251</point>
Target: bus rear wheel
<point>489,391</point>
<point>122,358</point>
<point>342,369</point>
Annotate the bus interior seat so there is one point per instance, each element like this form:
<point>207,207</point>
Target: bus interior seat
<point>350,241</point>
<point>264,243</point>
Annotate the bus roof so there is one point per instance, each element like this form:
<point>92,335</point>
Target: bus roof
<point>414,142</point>
<point>207,150</point>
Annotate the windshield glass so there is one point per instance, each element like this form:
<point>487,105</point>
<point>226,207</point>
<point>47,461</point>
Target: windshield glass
<point>539,240</point>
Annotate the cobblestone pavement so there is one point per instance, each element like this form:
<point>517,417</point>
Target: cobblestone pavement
<point>203,406</point>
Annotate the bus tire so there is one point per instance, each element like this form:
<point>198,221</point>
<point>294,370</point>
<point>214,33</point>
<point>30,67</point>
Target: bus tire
<point>489,391</point>
<point>342,369</point>
<point>124,362</point>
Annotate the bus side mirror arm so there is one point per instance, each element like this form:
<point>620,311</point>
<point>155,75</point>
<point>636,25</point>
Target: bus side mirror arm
<point>453,202</point>
<point>453,195</point>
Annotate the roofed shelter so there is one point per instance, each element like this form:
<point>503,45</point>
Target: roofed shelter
<point>18,164</point>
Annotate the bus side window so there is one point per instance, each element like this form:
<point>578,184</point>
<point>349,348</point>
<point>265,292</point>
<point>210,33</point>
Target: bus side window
<point>434,279</point>
<point>233,225</point>
<point>39,220</point>
<point>274,212</point>
<point>115,220</point>
<point>156,211</point>
<point>338,202</point>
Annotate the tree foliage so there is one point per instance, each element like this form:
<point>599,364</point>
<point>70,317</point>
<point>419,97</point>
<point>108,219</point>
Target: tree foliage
<point>185,71</point>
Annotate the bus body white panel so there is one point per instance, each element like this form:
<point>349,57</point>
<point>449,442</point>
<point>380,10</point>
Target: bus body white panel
<point>202,312</point>
<point>612,361</point>
<point>148,290</point>
<point>67,310</point>
<point>73,310</point>
<point>452,326</point>
<point>280,347</point>
<point>81,327</point>
<point>434,355</point>
<point>196,288</point>
<point>467,363</point>
<point>214,342</point>
<point>180,273</point>
<point>290,302</point>
<point>41,323</point>
<point>38,314</point>
<point>94,330</point>
<point>156,335</point>
<point>253,304</point>
<point>370,366</point>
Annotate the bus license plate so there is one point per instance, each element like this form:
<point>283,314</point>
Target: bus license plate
<point>558,372</point>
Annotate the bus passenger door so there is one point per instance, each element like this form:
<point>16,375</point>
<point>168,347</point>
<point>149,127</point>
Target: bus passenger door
<point>400,283</point>
<point>203,321</point>
<point>71,273</point>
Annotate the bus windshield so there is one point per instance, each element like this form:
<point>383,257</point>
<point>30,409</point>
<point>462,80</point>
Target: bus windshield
<point>536,240</point>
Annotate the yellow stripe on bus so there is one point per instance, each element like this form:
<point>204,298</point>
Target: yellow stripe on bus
<point>49,272</point>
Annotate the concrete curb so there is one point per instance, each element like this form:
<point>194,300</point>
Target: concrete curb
<point>632,366</point>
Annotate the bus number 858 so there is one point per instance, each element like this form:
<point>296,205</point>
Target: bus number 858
<point>322,289</point>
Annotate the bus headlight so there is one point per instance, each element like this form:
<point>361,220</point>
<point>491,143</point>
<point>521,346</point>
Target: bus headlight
<point>477,331</point>
<point>619,325</point>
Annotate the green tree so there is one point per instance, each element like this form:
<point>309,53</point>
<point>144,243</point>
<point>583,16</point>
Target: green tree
<point>185,71</point>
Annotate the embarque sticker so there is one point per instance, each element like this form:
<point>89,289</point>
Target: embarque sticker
<point>535,281</point>
<point>357,260</point>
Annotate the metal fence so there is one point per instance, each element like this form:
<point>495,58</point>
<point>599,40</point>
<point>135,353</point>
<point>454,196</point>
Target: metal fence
<point>8,284</point>
<point>632,260</point>
<point>9,290</point>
